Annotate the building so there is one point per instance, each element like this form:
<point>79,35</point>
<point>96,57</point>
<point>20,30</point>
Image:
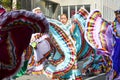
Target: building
<point>49,8</point>
<point>53,8</point>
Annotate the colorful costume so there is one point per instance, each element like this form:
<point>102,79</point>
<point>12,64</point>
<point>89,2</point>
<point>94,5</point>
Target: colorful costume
<point>69,47</point>
<point>65,55</point>
<point>58,30</point>
<point>16,28</point>
<point>84,50</point>
<point>62,63</point>
<point>116,52</point>
<point>94,65</point>
<point>42,49</point>
<point>102,36</point>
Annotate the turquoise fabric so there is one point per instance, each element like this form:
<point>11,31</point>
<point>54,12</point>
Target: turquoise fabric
<point>22,70</point>
<point>77,36</point>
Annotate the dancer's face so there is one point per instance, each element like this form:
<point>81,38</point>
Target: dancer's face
<point>63,19</point>
<point>118,17</point>
<point>38,11</point>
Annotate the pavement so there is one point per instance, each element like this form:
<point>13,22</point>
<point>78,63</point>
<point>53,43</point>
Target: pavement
<point>33,77</point>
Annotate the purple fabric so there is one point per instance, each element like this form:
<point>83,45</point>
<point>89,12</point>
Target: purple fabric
<point>116,56</point>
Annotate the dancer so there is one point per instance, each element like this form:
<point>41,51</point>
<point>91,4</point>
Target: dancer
<point>84,50</point>
<point>116,50</point>
<point>64,19</point>
<point>42,48</point>
<point>105,39</point>
<point>72,32</point>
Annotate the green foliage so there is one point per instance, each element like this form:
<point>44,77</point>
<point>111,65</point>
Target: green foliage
<point>18,4</point>
<point>7,4</point>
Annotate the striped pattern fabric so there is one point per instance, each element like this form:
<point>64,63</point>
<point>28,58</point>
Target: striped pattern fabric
<point>64,46</point>
<point>84,49</point>
<point>96,32</point>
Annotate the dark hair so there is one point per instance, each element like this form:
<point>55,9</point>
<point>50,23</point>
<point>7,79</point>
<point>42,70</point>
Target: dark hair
<point>117,12</point>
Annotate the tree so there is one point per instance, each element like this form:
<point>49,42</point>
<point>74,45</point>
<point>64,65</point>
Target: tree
<point>9,4</point>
